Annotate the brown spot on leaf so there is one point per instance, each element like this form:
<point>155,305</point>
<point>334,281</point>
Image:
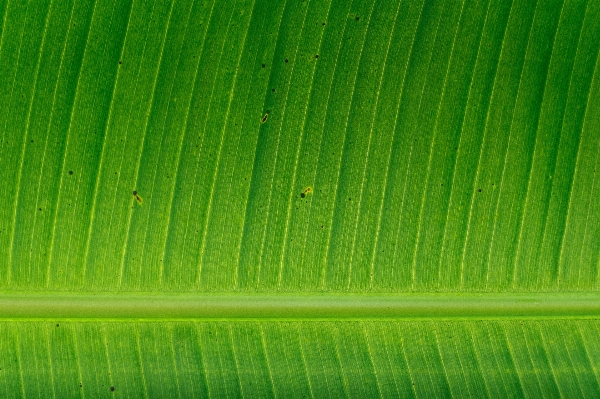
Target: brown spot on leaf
<point>306,191</point>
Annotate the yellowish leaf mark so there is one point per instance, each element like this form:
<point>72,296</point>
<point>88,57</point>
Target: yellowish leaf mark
<point>137,197</point>
<point>307,191</point>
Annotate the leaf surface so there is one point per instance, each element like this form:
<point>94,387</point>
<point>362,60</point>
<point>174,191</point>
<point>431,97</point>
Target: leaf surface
<point>202,198</point>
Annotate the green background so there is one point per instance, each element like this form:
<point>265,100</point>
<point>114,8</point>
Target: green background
<point>451,147</point>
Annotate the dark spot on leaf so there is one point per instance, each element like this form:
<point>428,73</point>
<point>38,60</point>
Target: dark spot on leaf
<point>306,191</point>
<point>70,172</point>
<point>273,90</point>
<point>316,55</point>
<point>479,190</point>
<point>323,23</point>
<point>357,18</point>
<point>120,62</point>
<point>264,118</point>
<point>40,209</point>
<point>134,192</point>
<point>112,389</point>
<point>32,141</point>
<point>80,385</point>
<point>286,61</point>
<point>57,325</point>
<point>263,65</point>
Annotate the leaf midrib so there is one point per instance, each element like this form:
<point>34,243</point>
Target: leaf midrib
<point>318,306</point>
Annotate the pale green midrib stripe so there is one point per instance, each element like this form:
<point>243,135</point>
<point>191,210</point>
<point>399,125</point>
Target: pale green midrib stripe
<point>54,305</point>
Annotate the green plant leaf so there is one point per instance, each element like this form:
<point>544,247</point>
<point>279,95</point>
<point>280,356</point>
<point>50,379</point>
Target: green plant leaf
<point>299,198</point>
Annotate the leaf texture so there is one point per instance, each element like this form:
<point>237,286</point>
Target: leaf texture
<point>299,147</point>
<point>256,359</point>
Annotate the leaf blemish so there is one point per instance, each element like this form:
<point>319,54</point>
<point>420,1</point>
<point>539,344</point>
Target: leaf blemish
<point>137,197</point>
<point>305,192</point>
<point>264,118</point>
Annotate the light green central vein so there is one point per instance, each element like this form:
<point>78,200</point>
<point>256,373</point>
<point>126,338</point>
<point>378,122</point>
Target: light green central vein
<point>27,305</point>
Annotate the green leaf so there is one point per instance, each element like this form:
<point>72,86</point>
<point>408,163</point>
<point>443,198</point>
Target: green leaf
<point>299,198</point>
